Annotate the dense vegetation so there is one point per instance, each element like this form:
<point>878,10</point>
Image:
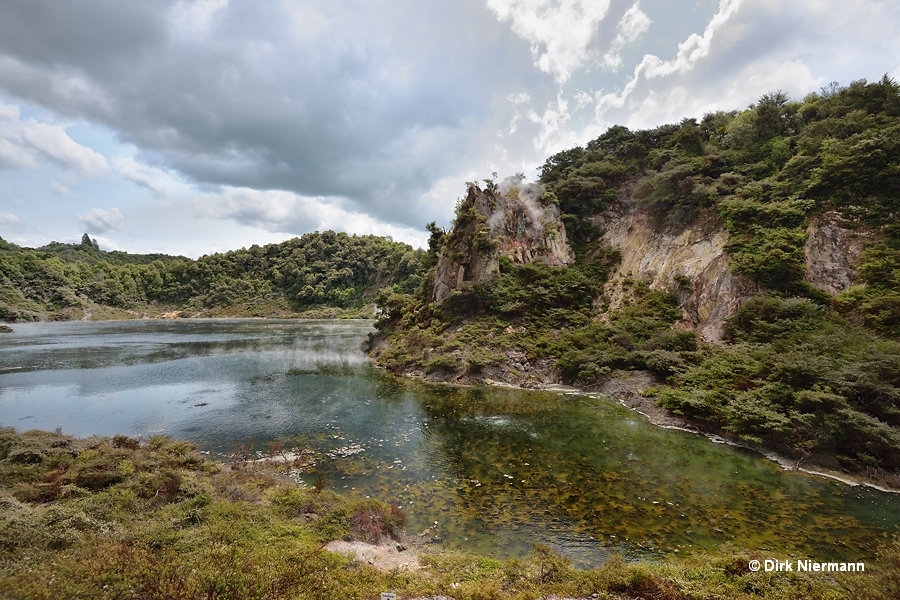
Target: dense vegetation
<point>800,371</point>
<point>123,518</point>
<point>316,270</point>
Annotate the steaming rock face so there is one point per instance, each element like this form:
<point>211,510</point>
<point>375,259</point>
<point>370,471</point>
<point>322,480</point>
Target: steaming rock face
<point>509,220</point>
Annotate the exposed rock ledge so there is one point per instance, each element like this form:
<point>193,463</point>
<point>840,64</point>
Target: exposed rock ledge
<point>693,263</point>
<point>690,262</point>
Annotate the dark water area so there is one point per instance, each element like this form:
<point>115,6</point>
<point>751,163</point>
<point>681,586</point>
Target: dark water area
<point>489,470</point>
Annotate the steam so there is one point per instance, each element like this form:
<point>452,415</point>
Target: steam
<point>529,195</point>
<point>496,219</point>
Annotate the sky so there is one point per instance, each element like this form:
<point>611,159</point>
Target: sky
<point>199,126</point>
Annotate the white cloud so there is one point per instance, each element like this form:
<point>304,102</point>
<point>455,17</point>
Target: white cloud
<point>519,98</point>
<point>8,218</point>
<point>552,121</point>
<point>367,113</point>
<point>24,142</point>
<point>192,17</point>
<point>13,153</point>
<point>661,97</point>
<point>560,33</point>
<point>308,22</point>
<point>280,211</point>
<point>633,25</point>
<point>105,243</point>
<point>54,143</point>
<point>155,180</point>
<point>692,49</point>
<point>99,220</point>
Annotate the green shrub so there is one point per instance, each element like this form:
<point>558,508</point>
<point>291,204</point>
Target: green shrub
<point>766,318</point>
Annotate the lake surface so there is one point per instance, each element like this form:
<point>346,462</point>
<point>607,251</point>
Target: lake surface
<point>483,469</point>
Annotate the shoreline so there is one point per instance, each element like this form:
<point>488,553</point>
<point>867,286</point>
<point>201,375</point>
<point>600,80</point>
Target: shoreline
<point>627,391</point>
<point>161,318</point>
<point>671,421</point>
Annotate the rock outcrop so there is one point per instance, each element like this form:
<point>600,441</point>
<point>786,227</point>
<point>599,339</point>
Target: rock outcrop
<point>689,261</point>
<point>692,262</point>
<point>833,250</point>
<point>512,220</point>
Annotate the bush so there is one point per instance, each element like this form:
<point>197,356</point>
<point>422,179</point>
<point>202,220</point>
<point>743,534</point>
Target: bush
<point>373,522</point>
<point>766,318</point>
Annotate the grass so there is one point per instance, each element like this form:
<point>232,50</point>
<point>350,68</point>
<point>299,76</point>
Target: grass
<point>125,518</point>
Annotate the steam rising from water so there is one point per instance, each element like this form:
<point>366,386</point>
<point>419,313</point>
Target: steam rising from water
<point>312,357</point>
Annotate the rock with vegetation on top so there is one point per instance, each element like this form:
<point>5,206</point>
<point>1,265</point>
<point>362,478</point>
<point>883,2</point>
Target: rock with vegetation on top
<point>512,219</point>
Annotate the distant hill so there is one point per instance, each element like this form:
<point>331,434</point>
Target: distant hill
<point>330,271</point>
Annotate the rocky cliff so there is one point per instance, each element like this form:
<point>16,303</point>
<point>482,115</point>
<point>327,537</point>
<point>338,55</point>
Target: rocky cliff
<point>689,261</point>
<point>692,261</point>
<point>511,219</point>
<point>832,252</point>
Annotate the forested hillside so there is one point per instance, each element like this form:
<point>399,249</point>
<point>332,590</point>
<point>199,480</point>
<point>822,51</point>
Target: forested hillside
<point>809,369</point>
<point>333,270</point>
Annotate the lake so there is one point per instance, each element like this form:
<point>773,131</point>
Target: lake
<point>484,469</point>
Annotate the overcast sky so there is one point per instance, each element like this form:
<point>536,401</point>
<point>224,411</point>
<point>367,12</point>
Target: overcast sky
<point>196,126</point>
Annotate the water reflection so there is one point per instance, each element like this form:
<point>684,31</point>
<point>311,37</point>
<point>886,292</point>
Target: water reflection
<point>484,469</point>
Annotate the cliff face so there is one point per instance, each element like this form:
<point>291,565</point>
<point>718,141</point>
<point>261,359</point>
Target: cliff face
<point>511,220</point>
<point>832,252</point>
<point>692,262</point>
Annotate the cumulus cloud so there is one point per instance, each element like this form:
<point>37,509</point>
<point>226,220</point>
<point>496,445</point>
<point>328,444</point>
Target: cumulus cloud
<point>23,143</point>
<point>285,212</point>
<point>59,188</point>
<point>560,32</point>
<point>694,48</point>
<point>298,115</point>
<point>631,27</point>
<point>734,55</point>
<point>99,220</point>
<point>742,54</point>
<point>193,17</point>
<point>363,101</point>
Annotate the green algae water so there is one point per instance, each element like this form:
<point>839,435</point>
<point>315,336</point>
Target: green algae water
<point>488,470</point>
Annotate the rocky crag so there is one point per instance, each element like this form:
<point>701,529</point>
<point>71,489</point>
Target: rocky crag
<point>690,261</point>
<point>693,263</point>
<point>511,219</point>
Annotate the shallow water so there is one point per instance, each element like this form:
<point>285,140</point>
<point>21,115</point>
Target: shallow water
<point>485,469</point>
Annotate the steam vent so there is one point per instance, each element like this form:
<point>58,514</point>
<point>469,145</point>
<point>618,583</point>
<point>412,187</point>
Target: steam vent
<point>510,219</point>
